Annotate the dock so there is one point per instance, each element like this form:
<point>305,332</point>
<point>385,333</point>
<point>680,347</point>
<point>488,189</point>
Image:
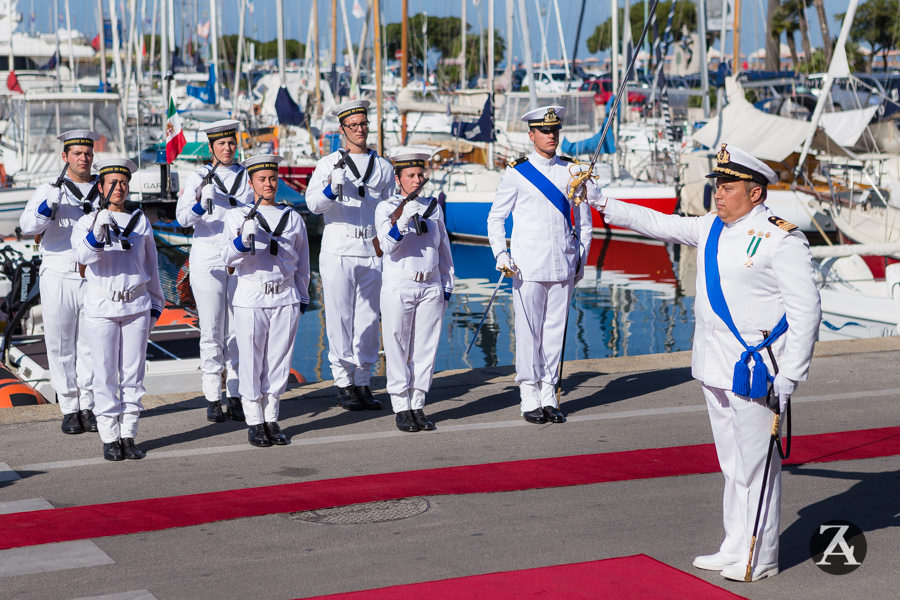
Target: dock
<point>614,503</point>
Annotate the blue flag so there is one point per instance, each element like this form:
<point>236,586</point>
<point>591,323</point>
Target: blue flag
<point>207,93</point>
<point>287,110</point>
<point>481,130</point>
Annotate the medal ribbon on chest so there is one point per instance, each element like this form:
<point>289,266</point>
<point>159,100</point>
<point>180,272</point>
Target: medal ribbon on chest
<point>753,246</point>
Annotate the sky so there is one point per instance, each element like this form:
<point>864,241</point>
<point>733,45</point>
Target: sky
<point>261,24</point>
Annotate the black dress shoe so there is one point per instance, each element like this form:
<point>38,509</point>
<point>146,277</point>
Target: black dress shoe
<point>348,399</point>
<point>369,401</point>
<point>88,420</point>
<point>554,415</point>
<point>535,416</point>
<point>72,424</point>
<point>129,450</point>
<point>275,435</point>
<point>256,435</point>
<point>235,409</point>
<point>423,422</point>
<point>406,421</point>
<point>113,451</point>
<point>214,412</point>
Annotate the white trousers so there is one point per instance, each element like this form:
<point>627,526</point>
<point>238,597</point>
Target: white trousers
<point>265,339</point>
<point>119,358</point>
<point>741,429</point>
<point>351,286</point>
<point>411,329</point>
<point>66,338</point>
<point>213,289</point>
<point>540,315</point>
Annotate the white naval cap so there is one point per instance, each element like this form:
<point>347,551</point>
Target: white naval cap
<point>262,162</point>
<point>221,129</point>
<point>736,164</point>
<point>122,166</point>
<point>545,116</point>
<point>78,137</point>
<point>410,156</point>
<point>354,107</point>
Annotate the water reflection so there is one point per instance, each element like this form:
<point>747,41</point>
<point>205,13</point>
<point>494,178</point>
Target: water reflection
<point>628,303</point>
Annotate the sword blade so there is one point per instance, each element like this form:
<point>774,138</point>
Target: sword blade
<point>486,309</point>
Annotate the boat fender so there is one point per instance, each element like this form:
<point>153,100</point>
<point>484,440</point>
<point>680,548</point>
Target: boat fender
<point>15,392</point>
<point>782,224</point>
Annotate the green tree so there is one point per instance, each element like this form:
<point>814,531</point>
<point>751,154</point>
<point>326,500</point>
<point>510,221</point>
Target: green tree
<point>877,24</point>
<point>685,17</point>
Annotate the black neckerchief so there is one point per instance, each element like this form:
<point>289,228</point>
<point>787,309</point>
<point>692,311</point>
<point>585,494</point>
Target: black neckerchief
<point>87,202</point>
<point>279,229</point>
<point>238,178</point>
<point>365,178</point>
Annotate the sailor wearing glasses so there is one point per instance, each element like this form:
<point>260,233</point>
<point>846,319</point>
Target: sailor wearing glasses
<point>549,246</point>
<point>418,281</point>
<point>49,216</point>
<point>207,195</point>
<point>757,316</point>
<point>345,188</point>
<point>122,300</point>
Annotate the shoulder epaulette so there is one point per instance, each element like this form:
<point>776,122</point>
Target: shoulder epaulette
<point>782,224</point>
<point>566,158</point>
<point>513,164</point>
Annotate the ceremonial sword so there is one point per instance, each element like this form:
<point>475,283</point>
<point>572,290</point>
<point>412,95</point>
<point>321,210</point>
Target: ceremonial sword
<point>503,273</point>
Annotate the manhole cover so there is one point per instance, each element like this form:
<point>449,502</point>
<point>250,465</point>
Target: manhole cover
<point>370,512</point>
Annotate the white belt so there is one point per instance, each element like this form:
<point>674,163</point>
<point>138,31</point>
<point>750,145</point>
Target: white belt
<point>117,295</point>
<point>420,276</point>
<point>360,232</point>
<point>60,264</point>
<point>274,287</point>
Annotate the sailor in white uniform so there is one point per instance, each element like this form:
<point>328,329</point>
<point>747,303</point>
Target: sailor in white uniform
<point>49,216</point>
<point>755,287</point>
<point>122,300</point>
<point>269,250</point>
<point>549,246</point>
<point>207,194</point>
<point>345,188</point>
<point>418,281</point>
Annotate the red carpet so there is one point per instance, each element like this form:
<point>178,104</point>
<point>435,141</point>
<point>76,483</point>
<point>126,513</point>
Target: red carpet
<point>628,577</point>
<point>119,518</point>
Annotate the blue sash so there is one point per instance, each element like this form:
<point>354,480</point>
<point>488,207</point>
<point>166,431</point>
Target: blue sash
<point>546,187</point>
<point>740,384</point>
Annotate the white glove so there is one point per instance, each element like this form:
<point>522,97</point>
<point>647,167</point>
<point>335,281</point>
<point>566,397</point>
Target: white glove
<point>406,216</point>
<point>338,177</point>
<point>52,201</point>
<point>101,225</point>
<point>783,388</point>
<point>505,263</point>
<point>595,198</point>
<point>248,229</point>
<point>207,195</point>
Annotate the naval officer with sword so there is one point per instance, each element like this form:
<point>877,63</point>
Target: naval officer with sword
<point>549,246</point>
<point>418,281</point>
<point>756,299</point>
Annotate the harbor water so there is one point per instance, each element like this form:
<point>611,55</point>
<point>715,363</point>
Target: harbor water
<point>630,302</point>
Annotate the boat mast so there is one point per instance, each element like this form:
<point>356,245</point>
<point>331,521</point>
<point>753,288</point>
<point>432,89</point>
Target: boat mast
<point>490,77</point>
<point>704,68</point>
<point>214,45</point>
<point>614,72</point>
<point>526,51</point>
<point>379,95</point>
<point>71,43</point>
<point>462,48</point>
<point>237,63</point>
<point>562,40</point>
<point>104,84</point>
<point>404,60</point>
<point>348,51</point>
<point>736,38</point>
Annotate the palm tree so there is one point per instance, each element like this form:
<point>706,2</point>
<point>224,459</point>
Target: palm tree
<point>773,46</point>
<point>784,23</point>
<point>827,43</point>
<point>795,10</point>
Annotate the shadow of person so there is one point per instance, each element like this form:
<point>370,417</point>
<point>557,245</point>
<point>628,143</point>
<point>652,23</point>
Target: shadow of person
<point>22,475</point>
<point>208,430</point>
<point>629,385</point>
<point>870,504</point>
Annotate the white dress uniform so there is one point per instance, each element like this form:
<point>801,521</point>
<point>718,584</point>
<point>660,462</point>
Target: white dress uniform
<point>550,253</point>
<point>348,264</point>
<point>766,272</point>
<point>62,288</point>
<point>122,299</point>
<point>272,290</point>
<point>417,283</point>
<point>211,284</point>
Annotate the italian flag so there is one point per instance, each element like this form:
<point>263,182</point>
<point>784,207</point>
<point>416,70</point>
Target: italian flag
<point>175,141</point>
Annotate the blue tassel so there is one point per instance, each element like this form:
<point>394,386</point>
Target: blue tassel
<point>760,379</point>
<point>740,384</point>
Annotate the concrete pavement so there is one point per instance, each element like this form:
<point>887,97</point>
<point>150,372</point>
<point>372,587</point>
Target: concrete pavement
<point>613,405</point>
